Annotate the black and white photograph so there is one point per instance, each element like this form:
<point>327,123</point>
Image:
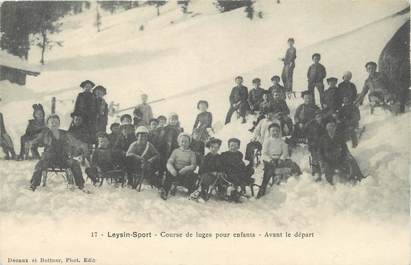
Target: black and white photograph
<point>206,132</point>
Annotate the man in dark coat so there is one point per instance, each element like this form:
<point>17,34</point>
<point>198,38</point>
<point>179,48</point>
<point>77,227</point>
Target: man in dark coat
<point>289,65</point>
<point>316,74</point>
<point>238,100</point>
<point>57,153</point>
<point>86,105</point>
<point>346,89</point>
<point>256,95</point>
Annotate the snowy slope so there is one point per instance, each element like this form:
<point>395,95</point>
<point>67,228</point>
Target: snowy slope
<point>202,54</point>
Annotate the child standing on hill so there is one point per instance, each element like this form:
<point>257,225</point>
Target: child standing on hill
<point>101,108</point>
<point>144,110</point>
<point>203,122</point>
<point>316,74</point>
<point>274,150</point>
<point>289,65</point>
<point>86,105</point>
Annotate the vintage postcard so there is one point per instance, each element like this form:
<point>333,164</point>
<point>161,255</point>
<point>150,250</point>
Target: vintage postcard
<point>205,132</point>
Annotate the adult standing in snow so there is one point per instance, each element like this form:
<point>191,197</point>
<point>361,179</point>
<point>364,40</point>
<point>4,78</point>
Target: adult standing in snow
<point>346,89</point>
<point>58,145</point>
<point>316,74</point>
<point>86,105</point>
<point>101,108</point>
<point>144,111</point>
<point>376,83</point>
<point>238,100</point>
<point>289,65</point>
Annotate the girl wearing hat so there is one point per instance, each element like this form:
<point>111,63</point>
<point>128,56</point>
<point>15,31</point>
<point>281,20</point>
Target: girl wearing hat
<point>35,126</point>
<point>180,167</point>
<point>86,104</point>
<point>203,121</point>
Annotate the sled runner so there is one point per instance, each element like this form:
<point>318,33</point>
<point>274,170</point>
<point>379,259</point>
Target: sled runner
<point>116,175</point>
<point>386,103</point>
<point>64,172</point>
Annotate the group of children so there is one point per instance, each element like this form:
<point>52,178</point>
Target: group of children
<point>160,150</point>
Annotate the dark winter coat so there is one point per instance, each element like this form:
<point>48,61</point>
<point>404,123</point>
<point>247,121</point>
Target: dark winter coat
<point>35,127</point>
<point>305,113</point>
<point>198,147</point>
<point>211,163</point>
<point>255,97</point>
<point>123,142</point>
<point>233,163</point>
<point>333,150</point>
<point>265,107</point>
<point>279,88</point>
<point>330,98</point>
<point>113,138</point>
<point>238,93</point>
<point>80,132</point>
<point>280,106</point>
<point>86,105</point>
<point>346,89</point>
<point>102,115</point>
<point>168,141</point>
<point>316,73</point>
<point>314,132</point>
<point>290,56</point>
<point>204,120</point>
<point>103,159</point>
<point>349,115</point>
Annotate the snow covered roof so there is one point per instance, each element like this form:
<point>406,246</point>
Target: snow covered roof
<point>12,61</point>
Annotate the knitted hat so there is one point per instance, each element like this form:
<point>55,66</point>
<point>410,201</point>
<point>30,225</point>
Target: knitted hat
<point>86,82</point>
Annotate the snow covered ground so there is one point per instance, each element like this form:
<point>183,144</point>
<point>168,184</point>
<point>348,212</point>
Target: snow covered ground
<point>200,55</point>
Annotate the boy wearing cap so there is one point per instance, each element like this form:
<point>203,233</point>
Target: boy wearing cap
<point>115,133</point>
<point>35,126</point>
<point>57,152</point>
<point>234,167</point>
<point>101,108</point>
<point>256,95</point>
<point>315,75</point>
<point>102,158</point>
<point>276,87</point>
<point>144,110</point>
<point>289,65</point>
<point>273,152</point>
<point>141,158</point>
<point>211,167</point>
<point>180,167</point>
<point>86,105</point>
<point>238,101</point>
<point>203,122</point>
<point>346,89</point>
<point>377,83</point>
<point>123,142</point>
<point>78,129</point>
<point>303,115</point>
<point>330,99</point>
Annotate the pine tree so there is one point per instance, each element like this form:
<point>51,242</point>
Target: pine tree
<point>157,4</point>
